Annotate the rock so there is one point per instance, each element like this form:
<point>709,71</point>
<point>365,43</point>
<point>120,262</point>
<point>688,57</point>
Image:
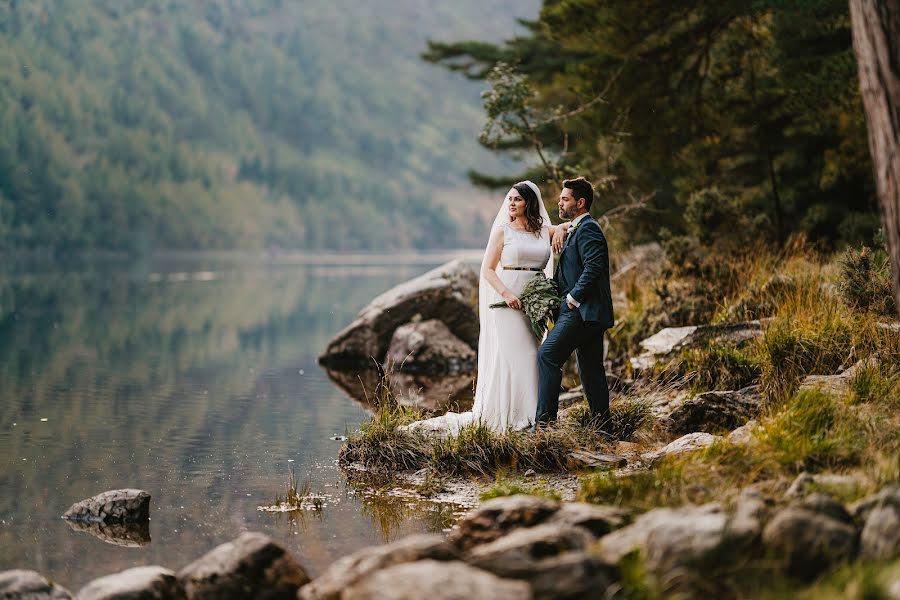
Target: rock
<point>550,557</point>
<point>497,517</point>
<point>448,293</point>
<point>30,585</point>
<point>672,339</point>
<point>436,580</point>
<point>743,435</point>
<point>751,512</point>
<point>670,538</point>
<point>596,460</point>
<point>809,542</point>
<point>686,443</point>
<point>597,519</point>
<point>843,485</point>
<point>880,539</point>
<point>434,393</point>
<point>140,583</point>
<point>252,566</point>
<point>115,506</point>
<point>428,347</point>
<point>860,510</point>
<point>129,535</point>
<point>348,570</point>
<point>826,505</point>
<point>712,412</point>
<point>839,384</point>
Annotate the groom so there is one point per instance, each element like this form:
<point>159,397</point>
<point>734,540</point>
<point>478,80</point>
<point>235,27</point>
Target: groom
<point>585,312</point>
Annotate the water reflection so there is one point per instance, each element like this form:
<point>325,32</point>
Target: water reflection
<point>201,389</point>
<point>129,535</point>
<point>430,393</point>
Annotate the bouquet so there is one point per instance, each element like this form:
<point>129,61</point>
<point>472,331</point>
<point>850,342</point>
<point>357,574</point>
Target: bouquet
<point>540,298</point>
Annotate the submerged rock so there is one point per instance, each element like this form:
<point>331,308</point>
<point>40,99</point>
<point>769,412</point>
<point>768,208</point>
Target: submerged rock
<point>252,566</point>
<point>115,506</point>
<point>348,570</point>
<point>712,412</point>
<point>30,585</point>
<point>129,535</point>
<point>140,583</point>
<point>448,293</point>
<point>428,347</point>
<point>434,580</point>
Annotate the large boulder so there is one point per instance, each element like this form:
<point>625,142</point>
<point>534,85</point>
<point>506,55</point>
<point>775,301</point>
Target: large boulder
<point>436,580</point>
<point>252,566</point>
<point>20,584</point>
<point>497,517</point>
<point>670,538</point>
<point>348,570</point>
<point>114,506</point>
<point>713,412</point>
<point>448,293</point>
<point>808,540</point>
<point>428,347</point>
<point>140,583</point>
<point>598,519</point>
<point>670,340</point>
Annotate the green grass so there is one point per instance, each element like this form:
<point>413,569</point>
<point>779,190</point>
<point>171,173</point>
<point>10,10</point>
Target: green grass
<point>511,487</point>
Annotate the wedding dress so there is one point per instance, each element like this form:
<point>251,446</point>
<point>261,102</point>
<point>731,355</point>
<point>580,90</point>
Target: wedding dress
<point>507,387</point>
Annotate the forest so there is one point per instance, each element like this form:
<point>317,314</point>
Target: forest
<point>141,125</point>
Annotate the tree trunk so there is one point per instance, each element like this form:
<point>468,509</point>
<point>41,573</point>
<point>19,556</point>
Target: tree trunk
<point>876,40</point>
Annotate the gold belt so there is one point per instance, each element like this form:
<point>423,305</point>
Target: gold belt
<point>537,269</point>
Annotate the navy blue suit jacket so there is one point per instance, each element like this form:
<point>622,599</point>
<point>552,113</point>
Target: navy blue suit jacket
<point>583,272</point>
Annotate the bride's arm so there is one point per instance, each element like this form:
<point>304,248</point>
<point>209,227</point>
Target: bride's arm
<point>489,268</point>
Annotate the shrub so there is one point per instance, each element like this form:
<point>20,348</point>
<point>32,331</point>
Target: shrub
<point>865,281</point>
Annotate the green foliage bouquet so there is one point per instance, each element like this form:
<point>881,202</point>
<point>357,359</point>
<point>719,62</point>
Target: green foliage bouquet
<point>540,298</point>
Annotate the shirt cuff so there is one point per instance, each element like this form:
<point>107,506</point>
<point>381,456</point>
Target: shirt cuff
<point>572,300</point>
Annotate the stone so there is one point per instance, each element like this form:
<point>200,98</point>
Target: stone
<point>860,510</point>
<point>114,506</point>
<point>667,341</point>
<point>497,517</point>
<point>128,535</point>
<point>20,584</point>
<point>436,580</point>
<point>598,519</point>
<point>348,570</point>
<point>428,347</point>
<point>842,485</point>
<point>712,412</point>
<point>140,583</point>
<point>686,443</point>
<point>448,293</point>
<point>826,505</point>
<point>743,435</point>
<point>252,566</point>
<point>595,460</point>
<point>670,538</point>
<point>880,539</point>
<point>516,553</point>
<point>751,512</point>
<point>809,542</point>
<point>433,393</point>
<point>839,384</point>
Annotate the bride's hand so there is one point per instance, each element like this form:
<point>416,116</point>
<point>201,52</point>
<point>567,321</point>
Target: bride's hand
<point>512,300</point>
<point>559,238</point>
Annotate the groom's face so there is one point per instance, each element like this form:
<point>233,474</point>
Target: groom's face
<point>568,205</point>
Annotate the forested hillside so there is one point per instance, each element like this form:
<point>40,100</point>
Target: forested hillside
<point>151,124</point>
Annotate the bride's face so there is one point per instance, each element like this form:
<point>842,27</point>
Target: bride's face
<point>516,206</point>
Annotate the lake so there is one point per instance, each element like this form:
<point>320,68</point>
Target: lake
<point>195,380</point>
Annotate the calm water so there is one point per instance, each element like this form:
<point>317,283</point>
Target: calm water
<point>195,381</point>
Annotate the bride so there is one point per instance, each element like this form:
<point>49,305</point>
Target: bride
<point>518,249</point>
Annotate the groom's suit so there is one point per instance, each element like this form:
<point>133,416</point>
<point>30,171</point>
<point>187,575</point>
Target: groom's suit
<point>582,273</point>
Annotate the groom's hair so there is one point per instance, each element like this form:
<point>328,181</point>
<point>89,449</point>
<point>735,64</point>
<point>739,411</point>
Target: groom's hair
<point>581,188</point>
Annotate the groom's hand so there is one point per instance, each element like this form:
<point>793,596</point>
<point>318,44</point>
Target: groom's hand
<point>570,305</point>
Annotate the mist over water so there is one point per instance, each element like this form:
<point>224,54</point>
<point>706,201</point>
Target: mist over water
<point>194,381</point>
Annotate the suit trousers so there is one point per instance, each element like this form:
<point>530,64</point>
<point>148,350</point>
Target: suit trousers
<point>571,333</point>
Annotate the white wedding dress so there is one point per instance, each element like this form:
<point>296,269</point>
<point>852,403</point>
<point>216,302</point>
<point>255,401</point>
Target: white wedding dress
<point>507,388</point>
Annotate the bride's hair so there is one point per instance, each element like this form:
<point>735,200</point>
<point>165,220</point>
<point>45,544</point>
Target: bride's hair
<point>532,210</point>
